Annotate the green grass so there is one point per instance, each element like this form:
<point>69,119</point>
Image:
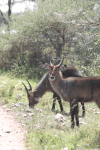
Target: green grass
<point>44,132</point>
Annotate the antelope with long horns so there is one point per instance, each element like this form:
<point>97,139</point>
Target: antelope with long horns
<point>44,86</point>
<point>74,90</point>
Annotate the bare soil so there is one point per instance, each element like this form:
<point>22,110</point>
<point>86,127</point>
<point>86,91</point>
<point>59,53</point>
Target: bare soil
<point>11,132</point>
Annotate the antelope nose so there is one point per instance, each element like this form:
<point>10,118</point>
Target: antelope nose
<point>52,77</point>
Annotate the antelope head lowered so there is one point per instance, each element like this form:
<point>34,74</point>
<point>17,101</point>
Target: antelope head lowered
<point>74,89</point>
<point>31,96</point>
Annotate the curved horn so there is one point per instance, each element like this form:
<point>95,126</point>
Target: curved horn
<point>25,88</point>
<point>60,62</point>
<point>50,64</point>
<point>29,85</point>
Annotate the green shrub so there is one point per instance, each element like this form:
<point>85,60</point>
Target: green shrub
<point>57,27</point>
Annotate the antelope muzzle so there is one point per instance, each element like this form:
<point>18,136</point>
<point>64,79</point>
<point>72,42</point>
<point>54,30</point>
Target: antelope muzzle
<point>52,77</point>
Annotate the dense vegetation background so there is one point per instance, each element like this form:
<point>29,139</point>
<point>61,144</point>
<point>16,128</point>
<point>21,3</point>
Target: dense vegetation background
<point>55,27</point>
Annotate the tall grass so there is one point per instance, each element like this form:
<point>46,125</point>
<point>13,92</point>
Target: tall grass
<point>44,132</point>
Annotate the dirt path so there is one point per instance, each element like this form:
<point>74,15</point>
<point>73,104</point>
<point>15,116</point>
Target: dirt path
<point>11,134</point>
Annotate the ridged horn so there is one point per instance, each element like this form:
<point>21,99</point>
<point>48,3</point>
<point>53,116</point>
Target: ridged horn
<point>61,62</point>
<point>29,85</point>
<point>25,88</point>
<point>50,64</point>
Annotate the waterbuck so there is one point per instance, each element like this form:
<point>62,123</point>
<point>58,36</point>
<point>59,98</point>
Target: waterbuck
<point>44,86</point>
<point>74,90</point>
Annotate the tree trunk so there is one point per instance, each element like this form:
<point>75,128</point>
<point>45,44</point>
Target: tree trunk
<point>9,9</point>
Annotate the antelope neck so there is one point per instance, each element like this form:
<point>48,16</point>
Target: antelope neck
<point>41,88</point>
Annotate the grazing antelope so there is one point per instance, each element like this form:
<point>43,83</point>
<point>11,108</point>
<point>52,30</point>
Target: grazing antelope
<point>44,86</point>
<point>74,90</point>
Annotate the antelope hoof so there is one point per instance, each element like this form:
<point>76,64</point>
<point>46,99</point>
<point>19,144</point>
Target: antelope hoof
<point>77,123</point>
<point>72,125</point>
<point>62,112</point>
<point>52,110</point>
<point>83,115</point>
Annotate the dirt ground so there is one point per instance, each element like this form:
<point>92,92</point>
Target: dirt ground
<point>11,132</point>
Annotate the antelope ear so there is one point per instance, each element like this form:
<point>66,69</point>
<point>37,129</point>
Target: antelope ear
<point>63,67</point>
<point>45,65</point>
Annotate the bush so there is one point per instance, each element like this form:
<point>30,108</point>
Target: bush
<point>55,28</point>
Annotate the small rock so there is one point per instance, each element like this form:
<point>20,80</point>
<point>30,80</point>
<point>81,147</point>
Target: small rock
<point>22,104</point>
<point>82,122</point>
<point>59,118</point>
<point>31,114</point>
<point>63,124</point>
<point>23,124</point>
<point>17,105</point>
<point>28,110</point>
<point>40,110</point>
<point>7,131</point>
<point>9,110</point>
<point>24,115</point>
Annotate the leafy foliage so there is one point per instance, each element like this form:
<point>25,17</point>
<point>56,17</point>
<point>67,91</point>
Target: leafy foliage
<point>59,27</point>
